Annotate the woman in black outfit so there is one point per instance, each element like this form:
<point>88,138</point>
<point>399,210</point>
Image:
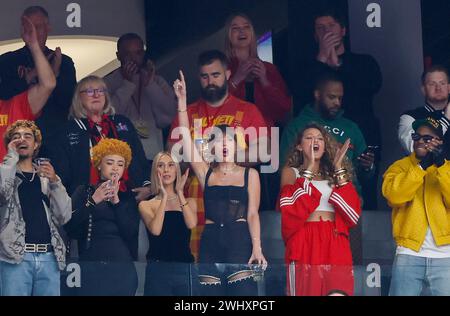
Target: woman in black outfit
<point>105,221</point>
<point>169,218</point>
<point>231,197</point>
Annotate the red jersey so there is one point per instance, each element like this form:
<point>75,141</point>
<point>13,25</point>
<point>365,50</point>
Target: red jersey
<point>12,110</point>
<point>273,101</point>
<point>233,112</point>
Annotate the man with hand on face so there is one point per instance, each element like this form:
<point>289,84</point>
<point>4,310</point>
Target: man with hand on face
<point>418,190</point>
<point>361,77</point>
<point>141,95</point>
<point>19,71</point>
<point>33,206</point>
<point>360,74</point>
<point>327,112</point>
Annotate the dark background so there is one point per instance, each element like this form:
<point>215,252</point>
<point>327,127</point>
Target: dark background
<point>172,24</point>
<point>176,23</point>
<point>436,31</point>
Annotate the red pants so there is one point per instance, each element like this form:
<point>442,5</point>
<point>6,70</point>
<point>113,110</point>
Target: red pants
<point>324,264</point>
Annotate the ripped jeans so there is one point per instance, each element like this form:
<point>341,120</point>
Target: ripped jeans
<point>224,254</point>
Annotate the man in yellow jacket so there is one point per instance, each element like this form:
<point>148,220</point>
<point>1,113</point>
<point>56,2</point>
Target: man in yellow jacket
<point>418,190</point>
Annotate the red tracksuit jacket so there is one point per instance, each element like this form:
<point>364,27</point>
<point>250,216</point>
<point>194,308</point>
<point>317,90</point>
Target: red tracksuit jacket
<point>299,200</point>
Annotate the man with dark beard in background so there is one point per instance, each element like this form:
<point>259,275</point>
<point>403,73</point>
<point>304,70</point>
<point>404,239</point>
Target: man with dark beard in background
<point>327,111</point>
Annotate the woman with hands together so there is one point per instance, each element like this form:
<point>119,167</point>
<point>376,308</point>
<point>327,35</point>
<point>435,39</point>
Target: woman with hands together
<point>169,218</point>
<point>252,79</point>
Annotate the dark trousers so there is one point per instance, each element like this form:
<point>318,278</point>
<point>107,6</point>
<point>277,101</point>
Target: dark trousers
<point>170,279</point>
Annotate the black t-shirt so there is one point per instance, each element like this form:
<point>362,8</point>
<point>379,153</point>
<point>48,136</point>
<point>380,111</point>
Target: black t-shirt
<point>31,200</point>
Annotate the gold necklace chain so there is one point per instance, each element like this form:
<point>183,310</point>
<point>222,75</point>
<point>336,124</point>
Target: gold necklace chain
<point>225,171</point>
<point>169,198</point>
<point>318,174</point>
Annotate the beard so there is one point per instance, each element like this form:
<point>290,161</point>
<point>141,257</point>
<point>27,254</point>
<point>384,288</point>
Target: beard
<point>213,93</point>
<point>327,114</point>
<point>23,157</point>
<point>438,99</point>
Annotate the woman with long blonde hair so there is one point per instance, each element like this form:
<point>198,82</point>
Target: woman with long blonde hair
<point>252,79</point>
<point>169,218</point>
<point>319,204</point>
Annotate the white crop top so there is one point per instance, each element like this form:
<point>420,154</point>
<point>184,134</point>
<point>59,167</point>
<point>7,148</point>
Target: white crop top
<point>323,188</point>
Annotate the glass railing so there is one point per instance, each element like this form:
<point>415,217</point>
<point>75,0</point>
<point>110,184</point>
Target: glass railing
<point>180,279</point>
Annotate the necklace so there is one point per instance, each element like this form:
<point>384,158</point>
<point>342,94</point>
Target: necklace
<point>32,177</point>
<point>226,171</point>
<point>316,174</point>
<point>170,198</point>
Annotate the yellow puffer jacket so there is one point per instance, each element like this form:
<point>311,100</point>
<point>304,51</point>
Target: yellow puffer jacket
<point>418,199</point>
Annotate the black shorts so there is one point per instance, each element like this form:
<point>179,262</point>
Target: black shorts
<point>230,244</point>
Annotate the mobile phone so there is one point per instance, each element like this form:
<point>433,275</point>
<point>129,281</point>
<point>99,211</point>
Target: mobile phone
<point>372,149</point>
<point>109,186</point>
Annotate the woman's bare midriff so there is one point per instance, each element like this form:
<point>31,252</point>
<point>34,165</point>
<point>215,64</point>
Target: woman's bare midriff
<point>317,216</point>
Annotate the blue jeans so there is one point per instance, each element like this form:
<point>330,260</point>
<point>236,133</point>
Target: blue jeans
<point>37,275</point>
<point>410,274</point>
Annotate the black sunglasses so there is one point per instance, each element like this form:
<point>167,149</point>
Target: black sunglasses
<point>426,138</point>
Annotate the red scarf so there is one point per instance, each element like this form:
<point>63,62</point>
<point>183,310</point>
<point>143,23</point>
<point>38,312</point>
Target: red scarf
<point>107,130</point>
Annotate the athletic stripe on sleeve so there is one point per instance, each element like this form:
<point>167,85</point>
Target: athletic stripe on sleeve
<point>290,200</point>
<point>335,197</point>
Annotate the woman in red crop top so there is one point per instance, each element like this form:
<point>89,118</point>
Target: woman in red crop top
<point>231,198</point>
<point>318,205</point>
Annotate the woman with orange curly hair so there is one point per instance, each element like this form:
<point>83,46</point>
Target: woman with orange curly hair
<point>105,221</point>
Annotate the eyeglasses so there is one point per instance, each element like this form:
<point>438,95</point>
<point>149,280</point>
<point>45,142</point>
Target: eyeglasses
<point>426,138</point>
<point>91,92</point>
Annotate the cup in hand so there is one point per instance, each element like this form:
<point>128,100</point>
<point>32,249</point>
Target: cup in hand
<point>39,161</point>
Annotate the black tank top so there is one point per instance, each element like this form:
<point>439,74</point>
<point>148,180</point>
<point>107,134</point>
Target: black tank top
<point>226,204</point>
<point>172,245</point>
